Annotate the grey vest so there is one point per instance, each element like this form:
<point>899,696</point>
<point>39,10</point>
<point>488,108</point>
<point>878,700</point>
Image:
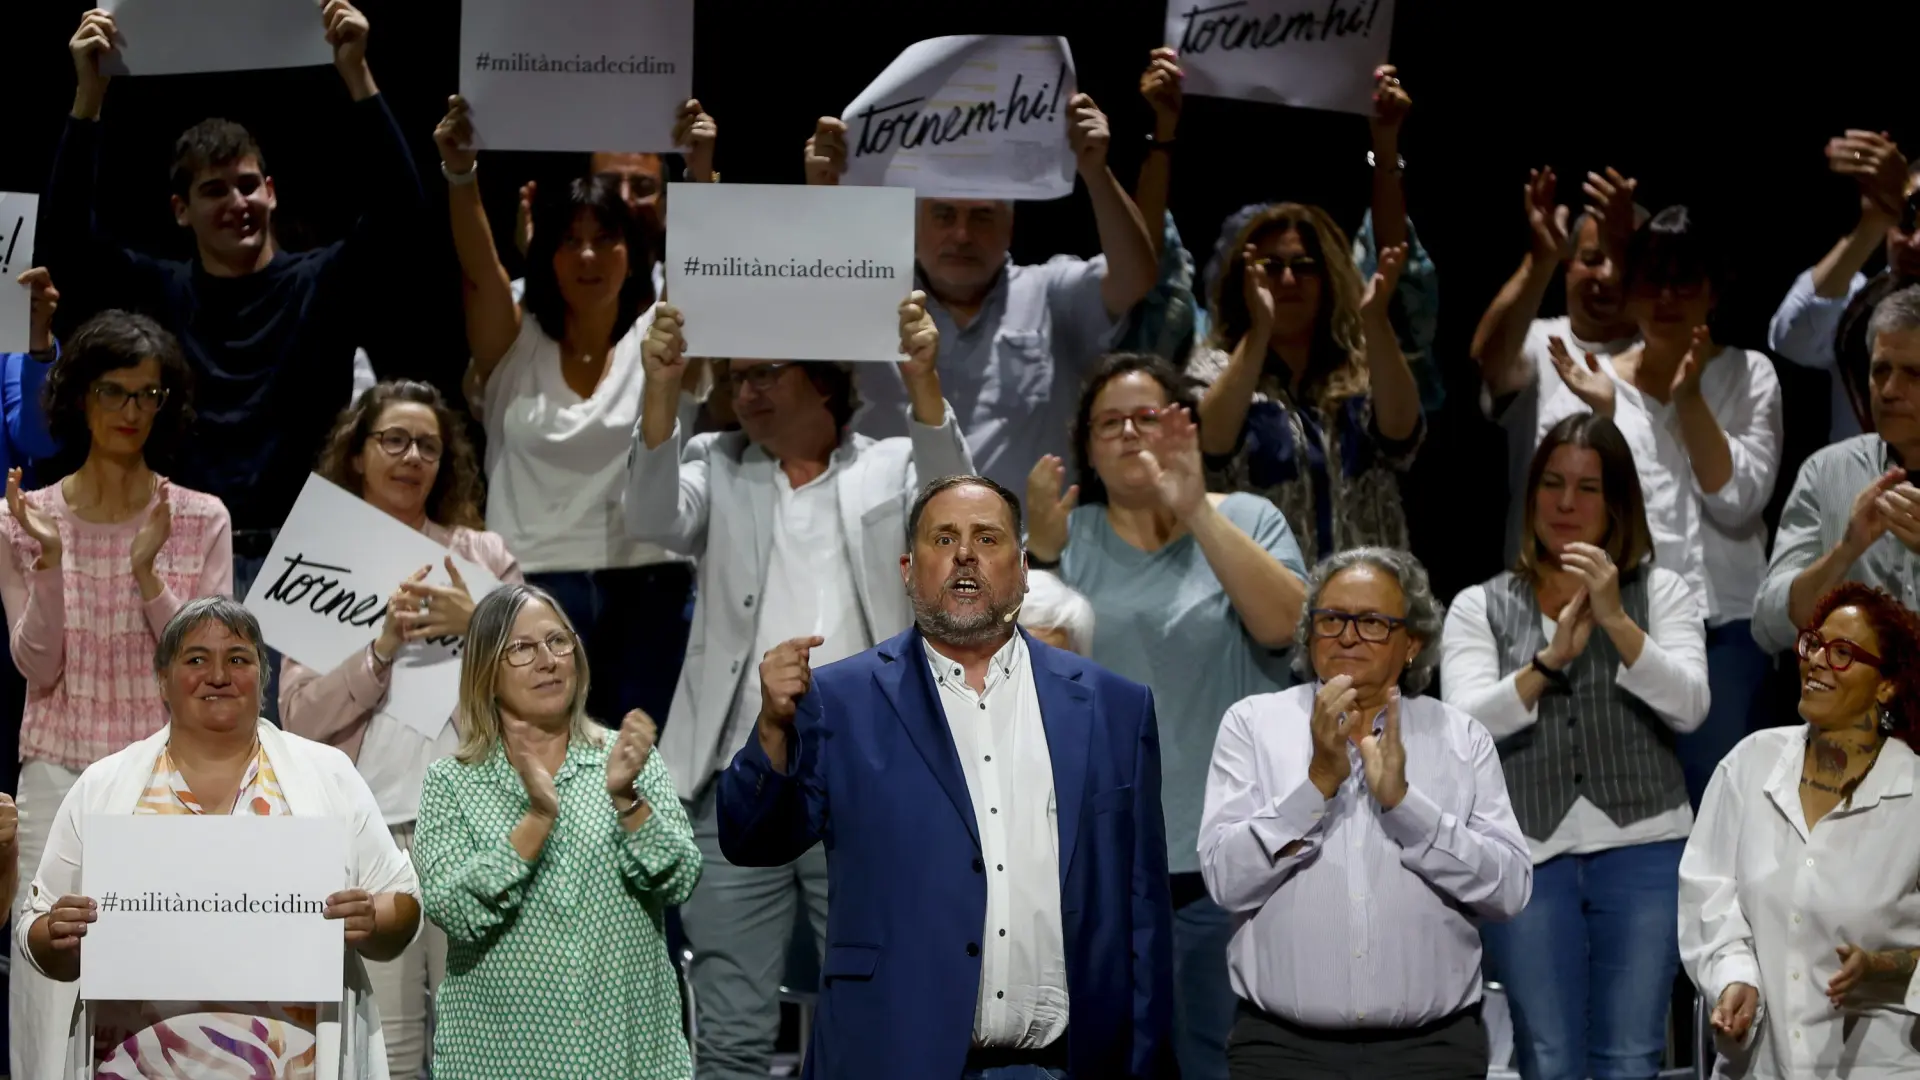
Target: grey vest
<point>1595,741</point>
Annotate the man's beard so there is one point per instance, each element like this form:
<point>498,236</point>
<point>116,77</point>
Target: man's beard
<point>975,627</point>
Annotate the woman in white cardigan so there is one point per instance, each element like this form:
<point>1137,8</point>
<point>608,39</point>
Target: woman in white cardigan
<point>215,756</point>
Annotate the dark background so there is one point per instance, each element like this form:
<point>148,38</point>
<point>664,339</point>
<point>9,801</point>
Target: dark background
<point>1724,106</point>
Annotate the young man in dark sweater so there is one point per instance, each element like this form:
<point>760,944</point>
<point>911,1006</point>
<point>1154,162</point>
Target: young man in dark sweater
<point>270,334</point>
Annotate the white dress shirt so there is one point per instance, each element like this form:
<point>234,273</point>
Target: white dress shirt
<point>808,588</point>
<point>1766,901</point>
<point>1347,916</point>
<point>1670,677</point>
<point>1003,753</point>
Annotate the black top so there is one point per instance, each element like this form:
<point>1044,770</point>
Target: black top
<point>272,351</point>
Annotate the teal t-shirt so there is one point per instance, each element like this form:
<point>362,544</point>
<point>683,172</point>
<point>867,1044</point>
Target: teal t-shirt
<point>1162,618</point>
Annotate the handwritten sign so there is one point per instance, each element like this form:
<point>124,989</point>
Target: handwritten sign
<point>178,37</point>
<point>322,596</point>
<point>576,74</point>
<point>17,215</point>
<point>788,271</point>
<point>1315,54</point>
<point>968,117</point>
<point>184,918</point>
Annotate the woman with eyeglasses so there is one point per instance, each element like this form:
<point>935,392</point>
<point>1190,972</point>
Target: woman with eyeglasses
<point>98,562</point>
<point>1585,661</point>
<point>1195,595</point>
<point>549,851</point>
<point>405,452</point>
<point>1799,919</point>
<point>1308,398</point>
<point>556,380</point>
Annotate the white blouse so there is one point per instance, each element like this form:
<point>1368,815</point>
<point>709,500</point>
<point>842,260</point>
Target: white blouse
<point>1766,901</point>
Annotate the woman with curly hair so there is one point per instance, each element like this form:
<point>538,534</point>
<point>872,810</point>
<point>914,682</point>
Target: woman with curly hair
<point>1309,399</point>
<point>1799,918</point>
<point>402,450</point>
<point>97,563</point>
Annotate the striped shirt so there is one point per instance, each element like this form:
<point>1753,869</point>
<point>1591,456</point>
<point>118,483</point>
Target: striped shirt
<point>1347,916</point>
<point>82,636</point>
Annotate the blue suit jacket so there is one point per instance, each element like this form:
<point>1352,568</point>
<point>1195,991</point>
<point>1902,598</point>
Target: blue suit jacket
<point>874,775</point>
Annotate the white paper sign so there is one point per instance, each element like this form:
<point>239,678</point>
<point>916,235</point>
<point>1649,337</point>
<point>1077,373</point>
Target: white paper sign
<point>322,596</point>
<point>790,271</point>
<point>17,215</point>
<point>178,37</point>
<point>1316,54</point>
<point>214,907</point>
<point>576,74</point>
<point>975,116</point>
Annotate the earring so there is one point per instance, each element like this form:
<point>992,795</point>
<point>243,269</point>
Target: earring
<point>1885,717</point>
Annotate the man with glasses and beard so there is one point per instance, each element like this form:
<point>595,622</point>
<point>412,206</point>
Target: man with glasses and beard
<point>991,810</point>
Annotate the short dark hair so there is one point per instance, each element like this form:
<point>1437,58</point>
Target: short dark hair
<point>1899,633</point>
<point>835,382</point>
<point>210,144</point>
<point>554,211</point>
<point>197,612</point>
<point>1628,541</point>
<point>1179,392</point>
<point>944,483</point>
<point>1674,248</point>
<point>114,341</point>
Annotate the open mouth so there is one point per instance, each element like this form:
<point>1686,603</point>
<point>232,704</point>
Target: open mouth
<point>964,587</point>
<point>1815,685</point>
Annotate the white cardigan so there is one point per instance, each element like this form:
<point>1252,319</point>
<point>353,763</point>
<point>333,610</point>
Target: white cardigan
<point>318,781</point>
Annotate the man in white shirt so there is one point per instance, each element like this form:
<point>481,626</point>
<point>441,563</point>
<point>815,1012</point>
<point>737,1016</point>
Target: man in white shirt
<point>1520,382</point>
<point>991,809</point>
<point>1821,323</point>
<point>799,525</point>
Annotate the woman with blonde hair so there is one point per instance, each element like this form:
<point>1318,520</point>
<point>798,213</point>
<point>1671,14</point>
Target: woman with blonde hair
<point>549,851</point>
<point>405,452</point>
<point>1308,398</point>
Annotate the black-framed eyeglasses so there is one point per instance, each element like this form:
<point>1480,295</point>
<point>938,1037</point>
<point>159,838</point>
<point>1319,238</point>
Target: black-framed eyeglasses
<point>1370,625</point>
<point>760,376</point>
<point>397,441</point>
<point>113,397</point>
<point>1145,421</point>
<point>521,653</point>
<point>1841,653</point>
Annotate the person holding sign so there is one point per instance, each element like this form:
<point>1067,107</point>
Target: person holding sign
<point>991,810</point>
<point>558,381</point>
<point>215,756</point>
<point>269,334</point>
<point>799,525</point>
<point>401,448</point>
<point>1015,340</point>
<point>97,563</point>
<point>549,851</point>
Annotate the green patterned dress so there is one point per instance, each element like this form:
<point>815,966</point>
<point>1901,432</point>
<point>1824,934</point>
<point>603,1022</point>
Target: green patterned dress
<point>556,969</point>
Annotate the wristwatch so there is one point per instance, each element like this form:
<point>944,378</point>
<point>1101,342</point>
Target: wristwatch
<point>1164,145</point>
<point>1553,675</point>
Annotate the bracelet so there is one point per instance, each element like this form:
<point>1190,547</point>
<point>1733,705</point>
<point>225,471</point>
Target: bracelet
<point>1160,144</point>
<point>1038,563</point>
<point>638,802</point>
<point>1400,165</point>
<point>1553,675</point>
<point>374,651</point>
<point>460,179</point>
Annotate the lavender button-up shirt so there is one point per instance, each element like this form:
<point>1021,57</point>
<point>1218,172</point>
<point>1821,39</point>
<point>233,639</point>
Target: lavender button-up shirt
<point>1347,916</point>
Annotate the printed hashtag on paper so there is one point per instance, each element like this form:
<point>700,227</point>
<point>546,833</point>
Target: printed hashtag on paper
<point>691,267</point>
<point>482,62</point>
<point>110,902</point>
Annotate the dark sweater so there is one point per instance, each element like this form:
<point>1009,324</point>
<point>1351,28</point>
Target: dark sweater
<point>272,351</point>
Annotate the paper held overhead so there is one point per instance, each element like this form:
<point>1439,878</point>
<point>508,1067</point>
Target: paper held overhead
<point>968,117</point>
<point>1315,54</point>
<point>183,37</point>
<point>18,212</point>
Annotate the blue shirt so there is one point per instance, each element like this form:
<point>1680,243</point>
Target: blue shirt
<point>24,437</point>
<point>1162,618</point>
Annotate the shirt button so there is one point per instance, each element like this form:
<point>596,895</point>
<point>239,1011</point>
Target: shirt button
<point>993,809</point>
<point>735,669</point>
<point>999,993</point>
<point>1003,933</point>
<point>1809,863</point>
<point>983,706</point>
<point>999,866</point>
<point>973,949</point>
<point>1796,1034</point>
<point>1796,917</point>
<point>989,757</point>
<point>1796,976</point>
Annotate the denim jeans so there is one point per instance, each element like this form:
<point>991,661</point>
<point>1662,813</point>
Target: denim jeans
<point>1589,965</point>
<point>633,625</point>
<point>1737,672</point>
<point>1203,999</point>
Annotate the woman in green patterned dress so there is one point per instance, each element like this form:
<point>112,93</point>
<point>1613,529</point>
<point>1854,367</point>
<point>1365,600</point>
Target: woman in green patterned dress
<point>549,853</point>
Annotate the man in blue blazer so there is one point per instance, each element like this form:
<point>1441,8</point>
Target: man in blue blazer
<point>990,808</point>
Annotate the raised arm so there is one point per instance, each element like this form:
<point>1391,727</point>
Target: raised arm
<point>1132,265</point>
<point>493,318</point>
<point>1391,104</point>
<point>1804,567</point>
<point>1755,432</point>
<point>773,797</point>
<point>666,498</point>
<point>1160,86</point>
<point>1395,392</point>
<point>1877,166</point>
<point>1498,340</point>
<point>25,376</point>
<point>72,240</point>
<point>1230,385</point>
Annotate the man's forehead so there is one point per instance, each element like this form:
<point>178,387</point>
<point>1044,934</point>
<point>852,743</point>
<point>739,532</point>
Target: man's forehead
<point>627,164</point>
<point>243,166</point>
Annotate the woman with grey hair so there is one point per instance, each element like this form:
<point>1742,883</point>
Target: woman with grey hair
<point>216,755</point>
<point>1056,614</point>
<point>1585,661</point>
<point>1379,817</point>
<point>549,853</point>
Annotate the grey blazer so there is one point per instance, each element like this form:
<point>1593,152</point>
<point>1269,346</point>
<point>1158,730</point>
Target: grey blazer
<point>715,500</point>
